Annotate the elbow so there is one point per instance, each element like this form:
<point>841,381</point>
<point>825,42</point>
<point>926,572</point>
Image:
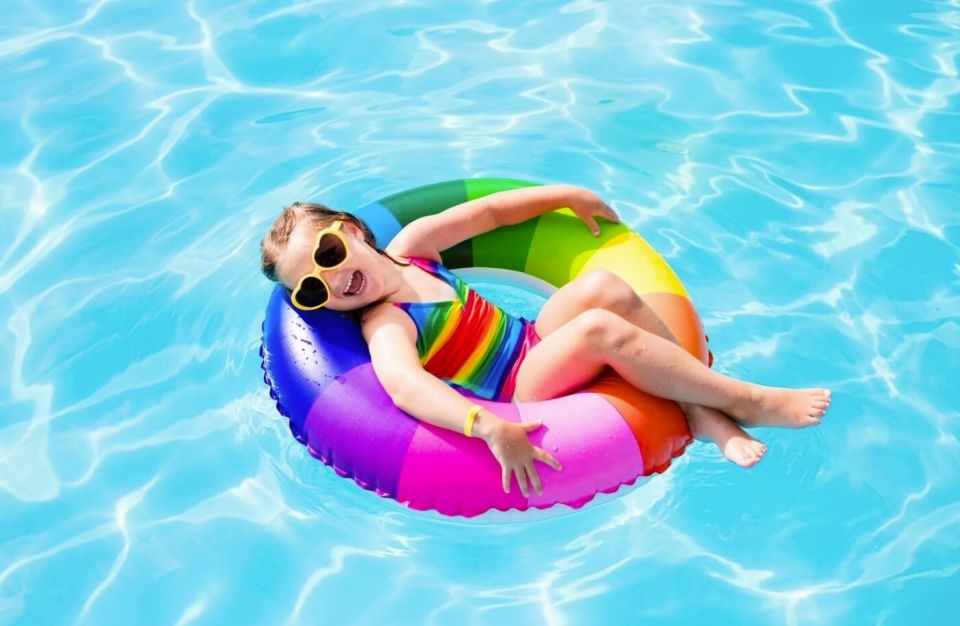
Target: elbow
<point>495,209</point>
<point>404,393</point>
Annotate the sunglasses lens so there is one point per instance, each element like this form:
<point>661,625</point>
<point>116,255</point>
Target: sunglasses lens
<point>330,252</point>
<point>312,292</point>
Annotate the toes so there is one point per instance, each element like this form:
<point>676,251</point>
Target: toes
<point>822,394</point>
<point>753,457</point>
<point>756,452</point>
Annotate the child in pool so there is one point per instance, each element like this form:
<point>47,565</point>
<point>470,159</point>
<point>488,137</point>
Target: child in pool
<point>329,258</point>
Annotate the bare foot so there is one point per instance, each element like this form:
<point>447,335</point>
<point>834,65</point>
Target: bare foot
<point>778,406</point>
<point>743,449</point>
<point>733,441</point>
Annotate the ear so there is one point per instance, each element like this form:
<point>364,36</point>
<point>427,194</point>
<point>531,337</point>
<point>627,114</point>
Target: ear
<point>353,230</point>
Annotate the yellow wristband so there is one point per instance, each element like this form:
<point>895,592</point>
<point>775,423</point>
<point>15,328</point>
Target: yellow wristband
<point>471,417</point>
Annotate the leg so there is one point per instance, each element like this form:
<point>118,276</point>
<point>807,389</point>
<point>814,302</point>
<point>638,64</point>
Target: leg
<point>606,290</point>
<point>599,289</point>
<point>661,368</point>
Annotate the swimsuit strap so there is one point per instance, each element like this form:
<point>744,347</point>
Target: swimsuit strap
<point>438,269</point>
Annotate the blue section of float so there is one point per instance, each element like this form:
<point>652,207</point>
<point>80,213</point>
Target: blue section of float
<point>381,221</point>
<point>311,348</point>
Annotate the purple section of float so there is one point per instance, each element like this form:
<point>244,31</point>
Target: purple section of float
<point>459,476</point>
<point>455,475</point>
<point>355,427</point>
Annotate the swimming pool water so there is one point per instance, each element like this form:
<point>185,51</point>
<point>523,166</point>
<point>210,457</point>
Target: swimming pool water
<point>796,162</point>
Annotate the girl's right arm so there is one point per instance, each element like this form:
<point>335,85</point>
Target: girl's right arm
<point>391,339</point>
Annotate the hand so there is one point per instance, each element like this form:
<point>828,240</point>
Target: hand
<point>509,444</point>
<point>587,204</point>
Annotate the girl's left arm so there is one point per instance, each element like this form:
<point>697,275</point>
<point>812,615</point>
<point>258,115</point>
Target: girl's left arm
<point>469,219</point>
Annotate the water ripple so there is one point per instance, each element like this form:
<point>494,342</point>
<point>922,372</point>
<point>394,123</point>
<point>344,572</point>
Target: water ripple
<point>797,165</point>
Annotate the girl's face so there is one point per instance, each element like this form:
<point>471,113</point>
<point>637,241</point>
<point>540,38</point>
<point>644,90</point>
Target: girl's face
<point>353,284</point>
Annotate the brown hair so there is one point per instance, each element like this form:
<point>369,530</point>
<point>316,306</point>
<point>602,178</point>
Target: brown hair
<point>318,217</point>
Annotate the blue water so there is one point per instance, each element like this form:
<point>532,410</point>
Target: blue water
<point>796,162</point>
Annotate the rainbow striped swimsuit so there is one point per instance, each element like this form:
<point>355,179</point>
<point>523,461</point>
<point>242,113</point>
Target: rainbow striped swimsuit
<point>469,342</point>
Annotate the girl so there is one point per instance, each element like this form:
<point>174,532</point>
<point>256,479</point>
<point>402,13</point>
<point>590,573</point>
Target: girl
<point>420,322</point>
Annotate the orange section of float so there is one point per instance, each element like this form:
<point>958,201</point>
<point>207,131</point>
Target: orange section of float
<point>658,425</point>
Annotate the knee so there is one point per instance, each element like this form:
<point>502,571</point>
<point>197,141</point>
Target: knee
<point>604,289</point>
<point>600,327</point>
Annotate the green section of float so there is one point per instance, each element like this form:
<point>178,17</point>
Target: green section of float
<point>479,187</point>
<point>427,200</point>
<point>506,247</point>
<point>554,246</point>
<point>562,244</point>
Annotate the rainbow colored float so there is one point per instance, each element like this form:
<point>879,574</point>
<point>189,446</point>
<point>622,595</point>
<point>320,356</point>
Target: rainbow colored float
<point>606,436</point>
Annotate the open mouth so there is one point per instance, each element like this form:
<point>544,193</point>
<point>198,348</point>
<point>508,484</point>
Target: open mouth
<point>356,285</point>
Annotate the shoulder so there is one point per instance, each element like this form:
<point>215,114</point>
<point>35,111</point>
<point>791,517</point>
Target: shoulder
<point>386,316</point>
<point>404,248</point>
<point>392,340</point>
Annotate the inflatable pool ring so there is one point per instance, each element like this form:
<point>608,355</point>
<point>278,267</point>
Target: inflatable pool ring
<point>607,435</point>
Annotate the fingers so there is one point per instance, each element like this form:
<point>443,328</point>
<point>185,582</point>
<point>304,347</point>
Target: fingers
<point>520,462</point>
<point>525,473</point>
<point>522,481</point>
<point>592,223</point>
<point>605,212</point>
<point>612,215</point>
<point>543,455</point>
<point>534,478</point>
<point>528,473</point>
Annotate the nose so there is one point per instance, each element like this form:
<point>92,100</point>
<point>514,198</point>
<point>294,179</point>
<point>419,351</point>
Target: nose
<point>337,278</point>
